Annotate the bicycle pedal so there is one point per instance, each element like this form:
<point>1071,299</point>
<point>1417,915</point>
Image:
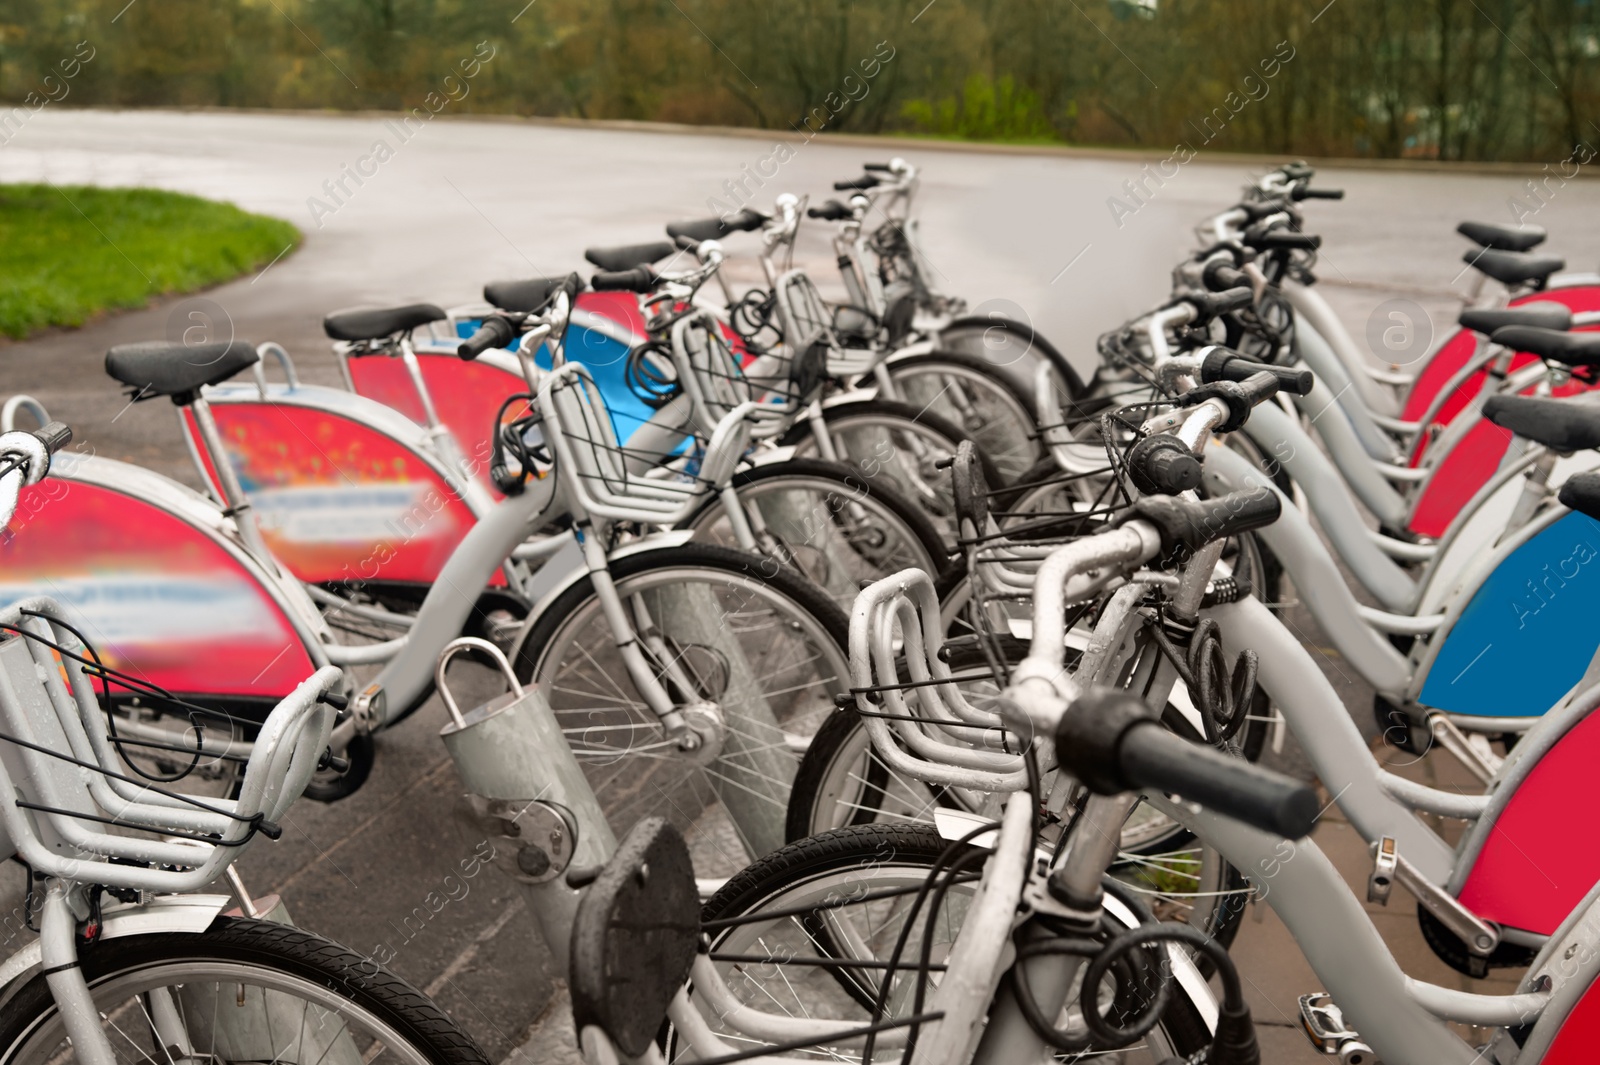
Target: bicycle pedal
<point>1325,1026</point>
<point>1385,868</point>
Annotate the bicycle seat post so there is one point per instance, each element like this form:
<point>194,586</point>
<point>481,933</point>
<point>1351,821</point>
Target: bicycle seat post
<point>236,504</point>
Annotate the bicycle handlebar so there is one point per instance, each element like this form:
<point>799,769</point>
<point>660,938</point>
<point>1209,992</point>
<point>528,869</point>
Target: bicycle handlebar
<point>639,279</point>
<point>1210,304</point>
<point>1220,274</point>
<point>1221,364</point>
<point>698,229</point>
<point>26,458</point>
<point>1306,192</point>
<point>832,211</point>
<point>1186,525</point>
<point>54,436</point>
<point>495,332</point>
<point>1108,740</point>
<point>860,184</point>
<point>1161,464</point>
<point>1277,239</point>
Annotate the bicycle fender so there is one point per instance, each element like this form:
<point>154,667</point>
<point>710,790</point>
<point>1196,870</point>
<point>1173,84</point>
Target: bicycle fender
<point>164,913</point>
<point>766,456</point>
<point>652,542</point>
<point>921,347</point>
<point>854,395</point>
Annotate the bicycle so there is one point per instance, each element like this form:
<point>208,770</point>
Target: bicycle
<point>1476,906</point>
<point>129,957</point>
<point>600,631</point>
<point>1400,1018</point>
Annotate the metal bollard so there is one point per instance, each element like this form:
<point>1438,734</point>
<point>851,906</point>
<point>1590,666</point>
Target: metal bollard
<point>529,793</point>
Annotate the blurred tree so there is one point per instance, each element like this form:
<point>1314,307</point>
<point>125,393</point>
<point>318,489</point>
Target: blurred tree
<point>1448,79</point>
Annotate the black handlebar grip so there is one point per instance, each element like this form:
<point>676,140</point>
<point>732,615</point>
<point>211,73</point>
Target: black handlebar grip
<point>495,332</point>
<point>1220,275</point>
<point>1151,757</point>
<point>1112,743</point>
<point>1282,238</point>
<point>1186,525</point>
<point>1160,465</point>
<point>54,436</point>
<point>877,166</point>
<point>1224,365</point>
<point>748,220</point>
<point>1306,192</point>
<point>718,227</point>
<point>685,242</point>
<point>865,181</point>
<point>832,211</point>
<point>639,279</point>
<point>1259,386</point>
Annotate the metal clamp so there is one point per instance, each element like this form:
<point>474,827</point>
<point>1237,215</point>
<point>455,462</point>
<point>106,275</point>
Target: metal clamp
<point>455,647</point>
<point>534,841</point>
<point>369,708</point>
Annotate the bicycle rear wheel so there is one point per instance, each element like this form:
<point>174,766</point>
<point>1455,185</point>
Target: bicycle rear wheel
<point>243,990</point>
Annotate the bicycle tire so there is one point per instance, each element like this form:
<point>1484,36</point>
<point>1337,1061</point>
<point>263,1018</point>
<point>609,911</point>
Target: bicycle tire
<point>267,946</point>
<point>1019,414</point>
<point>874,850</point>
<point>887,414</point>
<point>916,525</point>
<point>956,337</point>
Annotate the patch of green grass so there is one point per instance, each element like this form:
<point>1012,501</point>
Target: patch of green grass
<point>68,253</point>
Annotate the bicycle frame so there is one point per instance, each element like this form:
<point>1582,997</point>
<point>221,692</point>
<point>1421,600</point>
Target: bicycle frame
<point>1474,608</point>
<point>1400,1017</point>
<point>545,775</point>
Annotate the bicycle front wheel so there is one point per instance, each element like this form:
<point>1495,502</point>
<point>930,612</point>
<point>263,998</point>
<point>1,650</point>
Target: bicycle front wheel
<point>898,444</point>
<point>968,392</point>
<point>241,991</point>
<point>751,652</point>
<point>822,520</point>
<point>840,902</point>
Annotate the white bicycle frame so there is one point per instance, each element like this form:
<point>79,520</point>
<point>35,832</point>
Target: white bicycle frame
<point>51,809</point>
<point>1401,1018</point>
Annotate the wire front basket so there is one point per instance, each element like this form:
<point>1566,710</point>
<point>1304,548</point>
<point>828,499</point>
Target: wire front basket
<point>602,476</point>
<point>920,721</point>
<point>72,805</point>
<point>808,327</point>
<point>780,382</point>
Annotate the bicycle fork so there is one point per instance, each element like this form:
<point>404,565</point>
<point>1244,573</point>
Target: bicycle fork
<point>737,739</point>
<point>644,678</point>
<point>58,951</point>
<point>237,1022</point>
